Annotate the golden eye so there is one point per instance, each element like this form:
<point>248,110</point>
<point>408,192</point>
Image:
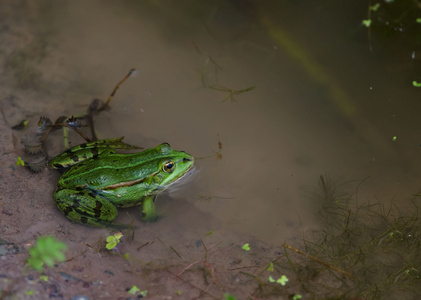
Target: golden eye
<point>168,166</point>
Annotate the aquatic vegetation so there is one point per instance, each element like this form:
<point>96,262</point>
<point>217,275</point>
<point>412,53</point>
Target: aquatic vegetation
<point>367,249</point>
<point>282,280</point>
<point>416,84</point>
<point>113,240</point>
<point>393,19</point>
<point>134,290</point>
<point>229,297</point>
<point>367,22</point>
<point>20,162</point>
<point>246,247</point>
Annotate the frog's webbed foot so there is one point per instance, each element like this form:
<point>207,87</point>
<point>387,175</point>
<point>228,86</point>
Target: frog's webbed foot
<point>148,209</point>
<point>85,207</point>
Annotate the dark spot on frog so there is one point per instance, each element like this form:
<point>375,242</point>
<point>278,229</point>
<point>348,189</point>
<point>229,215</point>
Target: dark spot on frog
<point>84,220</point>
<point>92,193</point>
<point>76,203</point>
<point>94,152</point>
<point>59,167</point>
<point>97,209</point>
<point>67,210</point>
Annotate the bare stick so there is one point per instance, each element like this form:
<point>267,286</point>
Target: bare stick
<point>118,85</point>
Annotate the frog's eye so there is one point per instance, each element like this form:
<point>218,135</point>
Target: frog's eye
<point>168,166</point>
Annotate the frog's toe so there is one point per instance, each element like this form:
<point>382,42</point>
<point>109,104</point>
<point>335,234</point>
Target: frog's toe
<point>149,217</point>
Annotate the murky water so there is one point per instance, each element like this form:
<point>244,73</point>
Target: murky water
<point>322,102</point>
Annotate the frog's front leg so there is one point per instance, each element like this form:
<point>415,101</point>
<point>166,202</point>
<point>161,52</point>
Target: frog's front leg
<point>148,209</point>
<point>85,207</point>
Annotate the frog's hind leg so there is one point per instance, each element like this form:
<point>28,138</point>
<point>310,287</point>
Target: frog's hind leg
<point>85,207</point>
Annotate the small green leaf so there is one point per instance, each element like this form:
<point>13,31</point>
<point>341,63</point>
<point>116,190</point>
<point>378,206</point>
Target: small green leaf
<point>133,290</point>
<point>394,138</point>
<point>143,293</point>
<point>179,293</point>
<point>283,280</point>
<point>20,162</point>
<point>111,245</point>
<point>36,264</point>
<point>367,23</point>
<point>416,84</point>
<point>270,268</point>
<point>418,20</point>
<point>113,240</point>
<point>46,251</point>
<point>49,261</point>
<point>29,292</point>
<point>43,277</point>
<point>375,7</point>
<point>118,236</point>
<point>210,232</point>
<point>297,296</point>
<point>229,297</point>
<point>246,247</point>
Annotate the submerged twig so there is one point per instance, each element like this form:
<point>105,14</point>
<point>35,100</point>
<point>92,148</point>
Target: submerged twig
<point>231,92</point>
<point>319,261</point>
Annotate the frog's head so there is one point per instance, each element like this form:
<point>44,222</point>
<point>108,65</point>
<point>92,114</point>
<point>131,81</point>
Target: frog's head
<point>173,165</point>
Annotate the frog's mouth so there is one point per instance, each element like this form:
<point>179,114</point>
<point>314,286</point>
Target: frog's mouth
<point>182,180</point>
<point>189,173</point>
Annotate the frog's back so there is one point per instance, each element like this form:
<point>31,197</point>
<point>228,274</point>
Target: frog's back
<point>101,172</point>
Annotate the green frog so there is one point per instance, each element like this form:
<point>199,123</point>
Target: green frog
<point>98,180</point>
